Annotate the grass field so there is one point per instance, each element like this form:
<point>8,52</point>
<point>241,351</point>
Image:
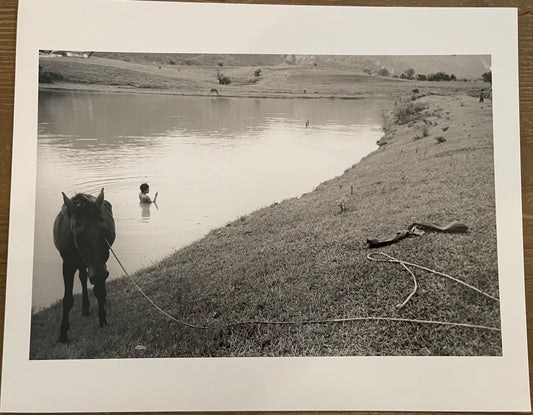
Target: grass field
<point>105,74</point>
<point>305,259</point>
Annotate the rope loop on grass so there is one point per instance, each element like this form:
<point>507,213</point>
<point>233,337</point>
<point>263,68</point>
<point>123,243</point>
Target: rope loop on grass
<point>323,321</point>
<point>389,258</point>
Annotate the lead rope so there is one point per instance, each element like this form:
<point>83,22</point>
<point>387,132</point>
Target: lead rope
<point>148,298</point>
<point>389,258</point>
<point>324,321</point>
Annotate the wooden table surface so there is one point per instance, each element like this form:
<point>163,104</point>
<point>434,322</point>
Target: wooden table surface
<point>8,23</point>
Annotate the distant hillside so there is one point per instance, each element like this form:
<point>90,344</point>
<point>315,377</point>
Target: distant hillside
<point>462,66</point>
<point>197,59</point>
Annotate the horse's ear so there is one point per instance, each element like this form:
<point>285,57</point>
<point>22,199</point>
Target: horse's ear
<point>100,198</point>
<point>67,201</point>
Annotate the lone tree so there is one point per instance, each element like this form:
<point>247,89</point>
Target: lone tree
<point>439,76</point>
<point>487,77</point>
<point>409,73</point>
<point>383,72</point>
<point>223,80</point>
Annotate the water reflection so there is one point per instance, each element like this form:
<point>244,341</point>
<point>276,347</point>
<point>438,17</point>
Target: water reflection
<point>145,211</point>
<point>130,119</point>
<point>214,159</point>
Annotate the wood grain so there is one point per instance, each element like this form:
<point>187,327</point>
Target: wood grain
<point>8,18</point>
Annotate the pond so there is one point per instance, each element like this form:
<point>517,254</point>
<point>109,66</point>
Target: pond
<point>212,160</point>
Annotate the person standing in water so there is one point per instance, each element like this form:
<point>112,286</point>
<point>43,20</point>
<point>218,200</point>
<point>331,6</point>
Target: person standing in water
<point>143,195</point>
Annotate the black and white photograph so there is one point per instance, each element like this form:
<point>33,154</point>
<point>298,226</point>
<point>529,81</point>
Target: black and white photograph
<point>233,207</point>
<point>264,205</point>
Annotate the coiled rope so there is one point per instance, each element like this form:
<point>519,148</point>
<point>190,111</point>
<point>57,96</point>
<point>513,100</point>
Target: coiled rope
<point>404,264</point>
<point>318,321</point>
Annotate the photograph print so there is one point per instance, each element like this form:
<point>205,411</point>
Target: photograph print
<point>211,205</point>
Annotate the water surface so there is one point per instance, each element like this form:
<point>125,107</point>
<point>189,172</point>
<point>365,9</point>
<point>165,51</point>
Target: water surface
<point>211,159</point>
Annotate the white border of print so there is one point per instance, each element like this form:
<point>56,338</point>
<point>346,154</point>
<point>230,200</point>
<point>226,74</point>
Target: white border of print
<point>356,383</point>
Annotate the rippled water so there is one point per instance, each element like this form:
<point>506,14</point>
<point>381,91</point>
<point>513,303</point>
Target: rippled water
<point>211,159</point>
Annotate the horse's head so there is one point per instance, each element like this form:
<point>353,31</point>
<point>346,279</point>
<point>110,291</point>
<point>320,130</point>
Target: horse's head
<point>91,230</point>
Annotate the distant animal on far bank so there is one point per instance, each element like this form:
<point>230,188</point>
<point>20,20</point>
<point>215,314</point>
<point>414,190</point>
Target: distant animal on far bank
<point>214,91</point>
<point>306,123</point>
<point>82,230</point>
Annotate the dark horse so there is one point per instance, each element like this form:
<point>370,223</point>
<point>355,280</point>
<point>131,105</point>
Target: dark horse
<point>80,233</point>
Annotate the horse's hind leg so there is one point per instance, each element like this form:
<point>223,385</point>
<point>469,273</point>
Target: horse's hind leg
<point>68,299</point>
<point>85,297</point>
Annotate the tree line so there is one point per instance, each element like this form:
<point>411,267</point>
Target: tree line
<point>439,76</point>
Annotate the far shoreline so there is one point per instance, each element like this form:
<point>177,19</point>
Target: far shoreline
<point>112,89</point>
<point>124,73</point>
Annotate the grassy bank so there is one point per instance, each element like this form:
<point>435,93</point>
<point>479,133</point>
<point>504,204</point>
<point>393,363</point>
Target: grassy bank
<point>113,75</point>
<point>304,259</point>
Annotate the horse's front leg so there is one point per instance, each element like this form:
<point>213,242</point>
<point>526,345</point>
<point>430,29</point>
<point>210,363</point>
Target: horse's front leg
<point>68,300</point>
<point>100,294</point>
<point>85,297</point>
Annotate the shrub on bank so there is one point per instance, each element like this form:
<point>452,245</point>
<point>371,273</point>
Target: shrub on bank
<point>223,80</point>
<point>487,77</point>
<point>408,111</point>
<point>48,77</point>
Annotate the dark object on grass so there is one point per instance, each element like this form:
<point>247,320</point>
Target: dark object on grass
<point>342,205</point>
<point>417,229</point>
<point>82,231</point>
<point>376,243</point>
<point>452,227</point>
